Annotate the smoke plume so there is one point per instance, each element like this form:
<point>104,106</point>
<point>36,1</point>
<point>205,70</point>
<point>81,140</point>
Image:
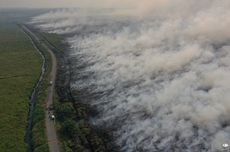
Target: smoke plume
<point>160,71</point>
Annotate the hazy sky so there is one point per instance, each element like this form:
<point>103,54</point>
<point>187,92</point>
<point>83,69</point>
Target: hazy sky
<point>43,3</point>
<point>61,3</point>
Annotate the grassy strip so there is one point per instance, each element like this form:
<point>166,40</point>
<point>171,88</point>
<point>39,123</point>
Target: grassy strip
<point>39,140</point>
<point>19,71</point>
<point>38,133</point>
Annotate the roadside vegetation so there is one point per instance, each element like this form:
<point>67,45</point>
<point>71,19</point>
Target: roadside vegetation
<point>20,66</point>
<point>74,130</point>
<point>56,40</point>
<point>39,140</point>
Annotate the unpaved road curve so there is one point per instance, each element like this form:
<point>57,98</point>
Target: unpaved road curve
<point>50,124</point>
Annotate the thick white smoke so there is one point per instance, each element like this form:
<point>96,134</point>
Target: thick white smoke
<point>161,74</point>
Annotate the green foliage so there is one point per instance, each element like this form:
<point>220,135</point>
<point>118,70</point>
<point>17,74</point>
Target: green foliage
<point>56,40</point>
<point>43,148</point>
<point>63,111</point>
<point>76,134</point>
<point>20,67</point>
<point>69,128</point>
<point>38,133</point>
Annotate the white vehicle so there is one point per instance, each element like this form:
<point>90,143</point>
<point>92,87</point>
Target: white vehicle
<point>52,117</point>
<point>51,83</point>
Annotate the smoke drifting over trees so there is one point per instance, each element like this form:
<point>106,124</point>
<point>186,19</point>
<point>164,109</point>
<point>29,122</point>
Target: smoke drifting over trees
<point>161,72</point>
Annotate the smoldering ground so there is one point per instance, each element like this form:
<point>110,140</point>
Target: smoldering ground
<point>161,72</point>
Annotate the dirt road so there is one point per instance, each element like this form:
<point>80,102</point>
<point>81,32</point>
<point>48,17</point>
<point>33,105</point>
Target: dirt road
<point>50,124</point>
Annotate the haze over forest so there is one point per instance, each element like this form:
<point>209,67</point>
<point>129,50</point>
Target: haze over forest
<point>159,70</point>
